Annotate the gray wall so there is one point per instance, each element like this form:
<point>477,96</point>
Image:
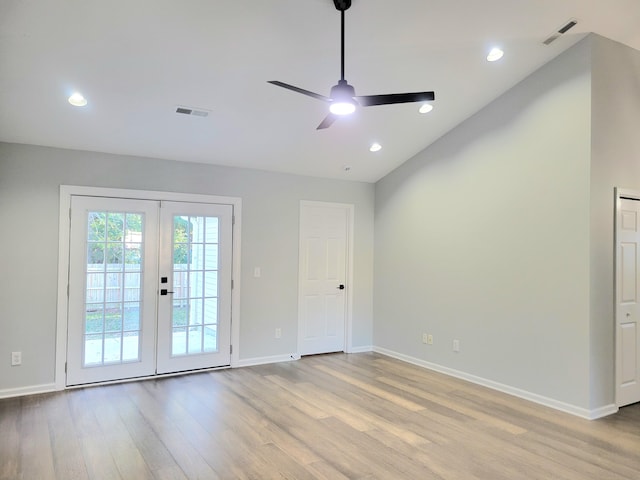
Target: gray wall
<point>484,237</point>
<point>30,177</point>
<point>615,163</point>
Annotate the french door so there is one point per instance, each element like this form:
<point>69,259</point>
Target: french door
<point>194,308</point>
<point>149,288</point>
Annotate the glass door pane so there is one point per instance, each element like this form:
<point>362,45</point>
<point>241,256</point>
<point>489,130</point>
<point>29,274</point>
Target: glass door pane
<point>113,281</point>
<point>195,285</point>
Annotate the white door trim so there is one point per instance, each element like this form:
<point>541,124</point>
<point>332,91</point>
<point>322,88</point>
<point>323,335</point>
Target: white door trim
<point>64,223</point>
<point>635,195</point>
<point>348,324</point>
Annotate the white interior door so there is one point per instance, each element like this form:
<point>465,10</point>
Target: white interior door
<point>149,288</point>
<point>628,306</point>
<point>112,293</point>
<point>323,274</point>
<point>194,321</point>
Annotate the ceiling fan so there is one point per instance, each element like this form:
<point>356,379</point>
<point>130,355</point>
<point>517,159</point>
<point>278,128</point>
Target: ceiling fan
<point>343,99</point>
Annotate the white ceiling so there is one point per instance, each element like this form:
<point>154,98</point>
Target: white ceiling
<point>136,60</point>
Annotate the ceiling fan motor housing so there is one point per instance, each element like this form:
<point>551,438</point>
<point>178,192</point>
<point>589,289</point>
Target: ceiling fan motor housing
<point>342,5</point>
<point>342,92</point>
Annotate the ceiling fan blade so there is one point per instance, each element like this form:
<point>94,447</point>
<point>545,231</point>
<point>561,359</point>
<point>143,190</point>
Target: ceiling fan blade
<point>327,122</point>
<point>391,98</point>
<point>299,90</point>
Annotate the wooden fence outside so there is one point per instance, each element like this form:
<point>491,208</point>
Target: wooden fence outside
<point>115,286</point>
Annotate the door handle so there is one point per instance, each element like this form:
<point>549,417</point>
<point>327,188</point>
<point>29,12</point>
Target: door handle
<point>340,287</point>
<point>164,291</point>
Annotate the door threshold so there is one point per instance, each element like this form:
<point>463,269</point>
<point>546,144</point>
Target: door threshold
<point>156,376</point>
<point>319,354</point>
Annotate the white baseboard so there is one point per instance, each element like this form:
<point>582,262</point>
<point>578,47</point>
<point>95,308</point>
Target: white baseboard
<point>603,411</point>
<point>516,392</point>
<point>249,362</point>
<point>364,349</point>
<point>32,390</point>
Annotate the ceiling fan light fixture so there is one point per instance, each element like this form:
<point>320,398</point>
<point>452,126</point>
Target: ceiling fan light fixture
<point>342,99</point>
<point>342,108</point>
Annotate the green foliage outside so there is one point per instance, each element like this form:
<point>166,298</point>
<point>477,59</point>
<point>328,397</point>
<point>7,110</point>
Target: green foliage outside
<point>114,238</point>
<point>181,235</point>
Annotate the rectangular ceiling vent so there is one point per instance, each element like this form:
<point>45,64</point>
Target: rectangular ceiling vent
<point>198,112</point>
<point>561,31</point>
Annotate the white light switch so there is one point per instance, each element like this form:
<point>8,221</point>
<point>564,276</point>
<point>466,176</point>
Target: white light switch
<point>16,358</point>
<point>256,272</point>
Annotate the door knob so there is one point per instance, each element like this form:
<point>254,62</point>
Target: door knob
<point>341,287</point>
<point>164,291</point>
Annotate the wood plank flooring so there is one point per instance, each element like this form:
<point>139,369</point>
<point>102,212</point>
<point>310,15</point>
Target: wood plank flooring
<point>333,417</point>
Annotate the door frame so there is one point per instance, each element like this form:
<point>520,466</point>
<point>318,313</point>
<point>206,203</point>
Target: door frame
<point>634,195</point>
<point>64,224</point>
<point>348,320</point>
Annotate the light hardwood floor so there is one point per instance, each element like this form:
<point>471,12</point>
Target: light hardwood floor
<point>333,417</point>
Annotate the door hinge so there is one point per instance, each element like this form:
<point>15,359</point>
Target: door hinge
<point>230,349</point>
<point>233,219</point>
<point>68,288</point>
<point>65,367</point>
<point>69,214</point>
<point>231,284</point>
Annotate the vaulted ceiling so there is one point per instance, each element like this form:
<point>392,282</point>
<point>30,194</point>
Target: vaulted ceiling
<point>136,61</point>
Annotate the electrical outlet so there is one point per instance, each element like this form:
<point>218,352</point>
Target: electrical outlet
<point>425,338</point>
<point>456,345</point>
<point>16,358</point>
<point>278,333</point>
<point>430,339</point>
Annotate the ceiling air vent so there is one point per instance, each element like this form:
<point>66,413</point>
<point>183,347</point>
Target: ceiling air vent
<point>561,31</point>
<point>198,112</point>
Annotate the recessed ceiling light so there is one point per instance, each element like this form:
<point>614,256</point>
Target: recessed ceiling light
<point>77,100</point>
<point>494,55</point>
<point>375,147</point>
<point>425,108</point>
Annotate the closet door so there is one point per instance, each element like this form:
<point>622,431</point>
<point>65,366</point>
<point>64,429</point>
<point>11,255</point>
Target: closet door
<point>628,303</point>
